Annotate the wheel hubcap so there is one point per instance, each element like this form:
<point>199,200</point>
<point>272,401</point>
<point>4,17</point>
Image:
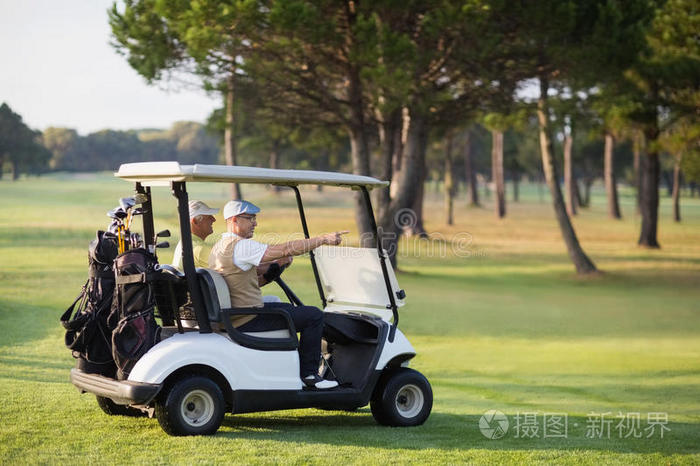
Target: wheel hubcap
<point>197,408</point>
<point>409,401</point>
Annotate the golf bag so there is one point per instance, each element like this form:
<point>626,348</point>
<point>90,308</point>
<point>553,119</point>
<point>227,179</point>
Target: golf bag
<point>88,335</point>
<point>133,309</point>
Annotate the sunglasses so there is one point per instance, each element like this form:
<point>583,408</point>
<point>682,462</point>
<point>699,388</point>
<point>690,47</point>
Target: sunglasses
<point>247,217</point>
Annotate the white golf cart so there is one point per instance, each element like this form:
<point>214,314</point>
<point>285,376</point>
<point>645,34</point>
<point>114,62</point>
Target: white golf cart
<point>204,367</point>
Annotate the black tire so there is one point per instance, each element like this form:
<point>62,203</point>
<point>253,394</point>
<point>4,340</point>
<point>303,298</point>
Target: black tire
<point>112,409</point>
<point>194,405</point>
<point>402,398</point>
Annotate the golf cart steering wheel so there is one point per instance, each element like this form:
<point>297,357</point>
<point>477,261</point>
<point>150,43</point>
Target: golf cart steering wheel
<point>273,275</point>
<point>274,272</point>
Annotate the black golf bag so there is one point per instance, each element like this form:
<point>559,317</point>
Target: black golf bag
<point>88,335</point>
<point>133,309</point>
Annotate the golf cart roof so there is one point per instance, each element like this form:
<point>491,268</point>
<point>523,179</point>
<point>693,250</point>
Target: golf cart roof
<point>162,173</point>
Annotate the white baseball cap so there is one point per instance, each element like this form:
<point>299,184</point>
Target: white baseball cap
<point>200,208</point>
<point>233,208</point>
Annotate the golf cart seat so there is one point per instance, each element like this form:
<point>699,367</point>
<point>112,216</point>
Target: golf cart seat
<point>216,297</point>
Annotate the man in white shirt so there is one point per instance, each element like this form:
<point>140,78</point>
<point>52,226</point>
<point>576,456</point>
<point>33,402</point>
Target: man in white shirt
<point>201,225</point>
<point>240,259</point>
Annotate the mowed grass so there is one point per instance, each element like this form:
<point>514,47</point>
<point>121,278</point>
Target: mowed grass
<point>494,310</point>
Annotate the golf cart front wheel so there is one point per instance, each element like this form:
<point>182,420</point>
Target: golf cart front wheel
<point>402,398</point>
<point>193,406</point>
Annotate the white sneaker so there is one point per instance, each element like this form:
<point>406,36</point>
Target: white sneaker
<point>315,381</point>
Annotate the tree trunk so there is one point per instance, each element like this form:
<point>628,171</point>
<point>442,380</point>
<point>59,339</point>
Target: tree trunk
<point>230,131</point>
<point>569,180</point>
<point>649,192</point>
<point>14,171</point>
<point>274,163</point>
<point>637,150</point>
<point>577,194</point>
<point>389,140</point>
<point>581,261</point>
<point>359,152</point>
<point>417,228</point>
<point>516,186</point>
<point>402,214</point>
<point>497,172</point>
<point>610,181</point>
<point>676,190</point>
<point>401,137</point>
<point>449,180</point>
<point>470,171</point>
<point>668,179</point>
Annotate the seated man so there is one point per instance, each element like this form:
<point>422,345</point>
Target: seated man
<point>201,221</point>
<point>236,257</point>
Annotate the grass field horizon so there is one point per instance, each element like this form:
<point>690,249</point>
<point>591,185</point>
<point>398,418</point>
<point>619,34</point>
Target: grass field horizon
<point>495,311</point>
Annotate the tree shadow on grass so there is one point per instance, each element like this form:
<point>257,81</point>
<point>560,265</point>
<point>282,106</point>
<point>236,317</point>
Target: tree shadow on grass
<point>446,431</point>
<point>21,323</point>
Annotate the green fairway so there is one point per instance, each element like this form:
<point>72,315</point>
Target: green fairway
<point>494,310</point>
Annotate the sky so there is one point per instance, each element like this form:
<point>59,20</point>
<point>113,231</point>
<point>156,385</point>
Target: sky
<point>58,69</point>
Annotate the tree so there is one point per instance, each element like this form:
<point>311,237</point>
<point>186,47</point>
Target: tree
<point>470,169</point>
<point>206,38</point>
<point>497,126</point>
<point>681,141</point>
<point>662,83</point>
<point>584,38</point>
<point>63,145</point>
<point>19,145</point>
<point>610,180</point>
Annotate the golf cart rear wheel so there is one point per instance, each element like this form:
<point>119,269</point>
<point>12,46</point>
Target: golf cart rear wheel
<point>194,405</point>
<point>113,409</point>
<point>402,398</point>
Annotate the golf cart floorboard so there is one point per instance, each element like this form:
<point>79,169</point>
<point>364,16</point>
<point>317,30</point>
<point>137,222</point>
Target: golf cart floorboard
<point>247,401</point>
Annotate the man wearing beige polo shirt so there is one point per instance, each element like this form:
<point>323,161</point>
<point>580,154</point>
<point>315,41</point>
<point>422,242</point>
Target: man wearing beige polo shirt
<point>239,259</point>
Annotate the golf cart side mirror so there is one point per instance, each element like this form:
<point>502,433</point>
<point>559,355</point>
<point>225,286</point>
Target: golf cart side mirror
<point>163,234</point>
<point>163,244</point>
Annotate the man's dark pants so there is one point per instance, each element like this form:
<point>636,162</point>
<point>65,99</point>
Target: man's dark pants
<point>307,319</point>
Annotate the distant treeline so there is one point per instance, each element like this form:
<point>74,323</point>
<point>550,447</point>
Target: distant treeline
<point>63,149</point>
<point>186,142</point>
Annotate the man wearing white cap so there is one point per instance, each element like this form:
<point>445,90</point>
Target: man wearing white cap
<point>239,259</point>
<point>201,221</point>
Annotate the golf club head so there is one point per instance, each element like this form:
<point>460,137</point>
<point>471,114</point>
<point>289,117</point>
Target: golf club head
<point>117,213</point>
<point>140,198</point>
<point>135,240</point>
<point>127,203</point>
<point>137,211</point>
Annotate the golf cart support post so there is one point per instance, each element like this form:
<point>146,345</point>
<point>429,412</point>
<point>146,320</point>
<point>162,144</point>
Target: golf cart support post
<point>176,175</point>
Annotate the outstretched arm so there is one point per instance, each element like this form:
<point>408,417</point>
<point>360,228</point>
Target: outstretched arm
<point>301,246</point>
